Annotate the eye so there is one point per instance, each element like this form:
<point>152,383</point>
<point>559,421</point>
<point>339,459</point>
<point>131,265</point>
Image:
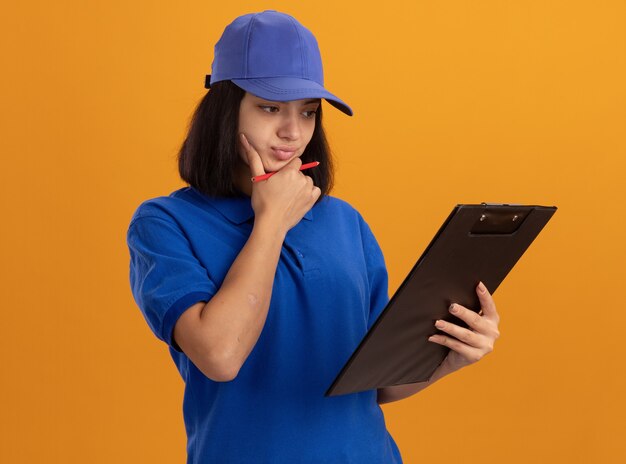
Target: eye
<point>310,114</point>
<point>263,107</point>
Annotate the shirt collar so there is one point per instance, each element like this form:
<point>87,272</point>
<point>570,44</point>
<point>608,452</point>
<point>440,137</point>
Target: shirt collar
<point>237,209</point>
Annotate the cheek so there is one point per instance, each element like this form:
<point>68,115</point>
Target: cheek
<point>310,133</point>
<point>258,134</point>
<point>254,139</point>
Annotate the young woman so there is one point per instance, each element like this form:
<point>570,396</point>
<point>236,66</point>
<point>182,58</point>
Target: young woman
<point>262,290</point>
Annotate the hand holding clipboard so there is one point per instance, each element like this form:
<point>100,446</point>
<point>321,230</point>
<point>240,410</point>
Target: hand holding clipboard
<point>476,243</point>
<point>468,345</point>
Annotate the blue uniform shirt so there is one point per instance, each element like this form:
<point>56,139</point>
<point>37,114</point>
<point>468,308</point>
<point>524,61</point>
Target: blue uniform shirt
<point>329,288</point>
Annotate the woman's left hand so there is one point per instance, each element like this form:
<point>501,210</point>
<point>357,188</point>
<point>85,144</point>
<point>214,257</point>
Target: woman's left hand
<point>468,345</point>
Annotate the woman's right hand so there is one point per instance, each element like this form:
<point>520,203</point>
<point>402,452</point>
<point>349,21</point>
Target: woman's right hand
<point>285,197</point>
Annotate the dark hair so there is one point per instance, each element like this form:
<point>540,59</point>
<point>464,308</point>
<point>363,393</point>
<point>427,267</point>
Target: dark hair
<point>208,156</point>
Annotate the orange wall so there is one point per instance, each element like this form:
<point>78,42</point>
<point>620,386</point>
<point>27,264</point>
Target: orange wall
<point>454,101</point>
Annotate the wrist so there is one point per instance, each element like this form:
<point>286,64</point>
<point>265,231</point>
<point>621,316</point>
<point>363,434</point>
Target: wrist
<point>269,227</point>
<point>443,370</point>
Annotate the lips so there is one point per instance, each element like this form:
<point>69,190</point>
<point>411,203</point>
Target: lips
<point>283,153</point>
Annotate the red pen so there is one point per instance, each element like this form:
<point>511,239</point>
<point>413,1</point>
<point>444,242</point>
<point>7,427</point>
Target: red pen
<point>267,176</point>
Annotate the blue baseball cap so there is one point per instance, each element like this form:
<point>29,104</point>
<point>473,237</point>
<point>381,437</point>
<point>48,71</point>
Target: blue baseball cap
<point>271,55</point>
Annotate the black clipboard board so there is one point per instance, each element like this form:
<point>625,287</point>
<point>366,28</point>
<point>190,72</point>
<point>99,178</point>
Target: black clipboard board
<point>475,243</point>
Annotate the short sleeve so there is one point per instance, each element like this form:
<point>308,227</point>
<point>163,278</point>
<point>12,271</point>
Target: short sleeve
<point>376,273</point>
<point>166,278</point>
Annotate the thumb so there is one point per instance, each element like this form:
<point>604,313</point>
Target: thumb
<point>254,160</point>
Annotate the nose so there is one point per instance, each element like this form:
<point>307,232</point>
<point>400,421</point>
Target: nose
<point>289,126</point>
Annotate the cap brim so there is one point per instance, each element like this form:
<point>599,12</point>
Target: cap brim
<point>290,88</point>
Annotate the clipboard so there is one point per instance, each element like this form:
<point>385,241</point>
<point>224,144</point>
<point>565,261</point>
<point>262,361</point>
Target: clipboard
<point>475,243</point>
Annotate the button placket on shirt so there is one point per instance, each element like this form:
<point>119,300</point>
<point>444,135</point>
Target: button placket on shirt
<point>308,268</point>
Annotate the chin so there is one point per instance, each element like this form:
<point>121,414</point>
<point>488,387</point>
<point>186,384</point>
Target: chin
<point>276,164</point>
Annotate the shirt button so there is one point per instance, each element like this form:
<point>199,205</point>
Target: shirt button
<point>300,254</point>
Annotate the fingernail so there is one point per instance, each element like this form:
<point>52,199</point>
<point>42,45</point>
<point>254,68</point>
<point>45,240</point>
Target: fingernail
<point>439,324</point>
<point>453,308</point>
<point>482,287</point>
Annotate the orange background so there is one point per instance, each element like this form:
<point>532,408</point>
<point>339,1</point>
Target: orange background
<point>455,102</point>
